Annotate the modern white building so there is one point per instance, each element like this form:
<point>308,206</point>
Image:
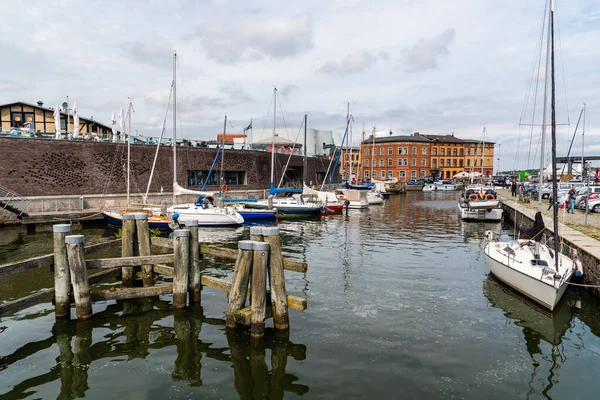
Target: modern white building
<point>318,142</point>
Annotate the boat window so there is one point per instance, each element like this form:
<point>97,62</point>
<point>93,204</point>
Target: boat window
<point>539,263</point>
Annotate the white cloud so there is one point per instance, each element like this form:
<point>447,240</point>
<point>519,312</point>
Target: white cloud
<point>424,54</point>
<point>351,64</point>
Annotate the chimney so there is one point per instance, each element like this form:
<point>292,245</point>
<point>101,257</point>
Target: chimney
<point>416,134</point>
<point>40,103</point>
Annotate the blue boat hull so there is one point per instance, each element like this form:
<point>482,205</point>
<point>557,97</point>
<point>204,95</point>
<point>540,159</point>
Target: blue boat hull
<point>257,214</point>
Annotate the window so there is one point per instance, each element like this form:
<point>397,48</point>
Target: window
<point>406,150</point>
<point>434,163</point>
<point>405,162</point>
<point>402,174</point>
<point>423,162</point>
<point>454,152</point>
<point>390,175</point>
<point>474,152</point>
<point>381,162</point>
<point>374,163</point>
<point>462,152</point>
<point>390,151</point>
<point>381,151</point>
<point>63,124</point>
<point>389,162</point>
<point>414,151</point>
<point>460,163</point>
<point>382,174</point>
<point>468,152</point>
<point>434,151</point>
<point>16,119</point>
<point>196,178</point>
<point>454,162</point>
<point>441,162</point>
<point>366,163</point>
<point>413,174</point>
<point>422,174</point>
<point>423,151</point>
<point>468,163</point>
<point>367,153</point>
<point>414,162</point>
<point>366,174</point>
<point>399,150</point>
<point>399,162</point>
<point>442,152</point>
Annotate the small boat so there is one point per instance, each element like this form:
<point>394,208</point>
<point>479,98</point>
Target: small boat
<point>357,198</point>
<point>115,219</point>
<point>374,198</point>
<point>255,214</point>
<point>480,204</point>
<point>440,186</point>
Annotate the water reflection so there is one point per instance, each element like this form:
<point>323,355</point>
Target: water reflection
<point>539,327</point>
<point>474,232</point>
<point>133,329</point>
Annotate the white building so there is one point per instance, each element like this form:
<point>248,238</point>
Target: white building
<point>318,142</point>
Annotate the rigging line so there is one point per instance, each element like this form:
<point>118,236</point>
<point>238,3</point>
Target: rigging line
<point>290,155</point>
<point>562,65</point>
<point>571,145</point>
<point>114,165</point>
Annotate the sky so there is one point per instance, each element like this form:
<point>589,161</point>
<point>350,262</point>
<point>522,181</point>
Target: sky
<point>428,66</point>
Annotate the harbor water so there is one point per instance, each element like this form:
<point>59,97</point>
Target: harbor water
<point>400,305</point>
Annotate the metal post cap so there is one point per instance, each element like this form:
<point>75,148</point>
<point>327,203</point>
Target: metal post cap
<point>256,230</point>
<point>193,222</point>
<point>270,231</point>
<point>140,216</point>
<point>74,239</point>
<point>246,245</point>
<point>260,246</point>
<point>128,217</point>
<point>181,233</point>
<point>62,228</point>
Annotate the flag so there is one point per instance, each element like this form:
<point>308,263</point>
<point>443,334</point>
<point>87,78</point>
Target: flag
<point>248,127</point>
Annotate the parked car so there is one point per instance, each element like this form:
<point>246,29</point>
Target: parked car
<point>587,197</point>
<point>414,182</point>
<point>595,205</point>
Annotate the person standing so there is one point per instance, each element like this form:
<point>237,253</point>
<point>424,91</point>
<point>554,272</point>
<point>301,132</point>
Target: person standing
<point>572,195</point>
<point>513,188</point>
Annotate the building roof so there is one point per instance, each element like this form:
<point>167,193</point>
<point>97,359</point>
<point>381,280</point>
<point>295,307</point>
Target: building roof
<point>450,139</point>
<point>396,139</point>
<point>52,110</point>
<point>279,141</point>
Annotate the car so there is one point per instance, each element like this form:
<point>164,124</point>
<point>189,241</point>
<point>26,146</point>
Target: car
<point>587,197</point>
<point>595,205</point>
<point>413,182</point>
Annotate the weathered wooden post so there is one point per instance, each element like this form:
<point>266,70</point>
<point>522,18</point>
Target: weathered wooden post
<point>79,278</point>
<point>272,236</point>
<point>241,277</point>
<point>62,277</point>
<point>127,249</point>
<point>181,262</point>
<point>260,259</point>
<point>194,271</point>
<point>143,242</point>
<point>270,202</point>
<point>256,233</point>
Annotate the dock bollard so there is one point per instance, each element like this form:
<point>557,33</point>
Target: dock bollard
<point>194,268</point>
<point>79,278</point>
<point>143,241</point>
<point>181,262</point>
<point>127,248</point>
<point>256,233</point>
<point>239,284</point>
<point>62,277</point>
<point>281,320</point>
<point>260,259</point>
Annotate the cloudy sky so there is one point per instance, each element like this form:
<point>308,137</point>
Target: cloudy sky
<point>421,65</point>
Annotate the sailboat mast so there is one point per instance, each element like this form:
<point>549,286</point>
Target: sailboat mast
<point>482,156</point>
<point>554,184</point>
<point>304,159</point>
<point>373,154</point>
<point>174,123</point>
<point>544,119</point>
<point>222,180</point>
<point>129,151</point>
<point>273,142</point>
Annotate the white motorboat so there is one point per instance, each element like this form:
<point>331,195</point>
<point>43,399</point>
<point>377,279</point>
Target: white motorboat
<point>480,204</point>
<point>440,186</point>
<point>374,198</point>
<point>357,198</point>
<point>528,265</point>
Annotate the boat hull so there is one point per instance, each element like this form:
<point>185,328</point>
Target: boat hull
<point>207,216</point>
<point>115,220</point>
<point>252,215</point>
<point>470,214</point>
<point>543,293</point>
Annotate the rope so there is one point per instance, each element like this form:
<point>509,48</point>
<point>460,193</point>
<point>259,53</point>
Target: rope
<point>582,285</point>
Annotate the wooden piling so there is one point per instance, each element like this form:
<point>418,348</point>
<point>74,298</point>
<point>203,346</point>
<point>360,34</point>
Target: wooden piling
<point>272,236</point>
<point>79,278</point>
<point>256,233</point>
<point>127,249</point>
<point>239,284</point>
<point>194,270</point>
<point>143,242</point>
<point>260,259</point>
<point>270,202</point>
<point>62,277</point>
<point>181,245</point>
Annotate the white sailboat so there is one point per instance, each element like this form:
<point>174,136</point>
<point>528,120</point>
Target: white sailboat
<point>527,265</point>
<point>204,211</point>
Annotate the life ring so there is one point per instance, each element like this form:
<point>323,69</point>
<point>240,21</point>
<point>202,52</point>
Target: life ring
<point>224,188</point>
<point>473,197</point>
<point>489,196</point>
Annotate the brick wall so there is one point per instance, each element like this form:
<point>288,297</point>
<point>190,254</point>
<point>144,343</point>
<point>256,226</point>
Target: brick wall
<point>46,167</point>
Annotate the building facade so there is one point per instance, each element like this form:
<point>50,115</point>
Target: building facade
<point>350,165</point>
<point>38,118</point>
<point>422,155</point>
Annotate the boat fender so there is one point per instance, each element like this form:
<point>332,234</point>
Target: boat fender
<point>175,216</point>
<point>578,268</point>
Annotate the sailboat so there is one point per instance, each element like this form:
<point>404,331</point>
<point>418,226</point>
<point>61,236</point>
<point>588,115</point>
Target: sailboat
<point>529,266</point>
<point>204,210</point>
<point>291,204</point>
<point>479,202</point>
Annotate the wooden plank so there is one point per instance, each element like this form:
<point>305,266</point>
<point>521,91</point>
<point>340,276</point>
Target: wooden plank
<point>244,315</point>
<point>163,269</point>
<point>45,295</point>
<point>132,293</point>
<point>128,261</point>
<point>231,254</point>
<point>48,259</point>
<point>297,303</point>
